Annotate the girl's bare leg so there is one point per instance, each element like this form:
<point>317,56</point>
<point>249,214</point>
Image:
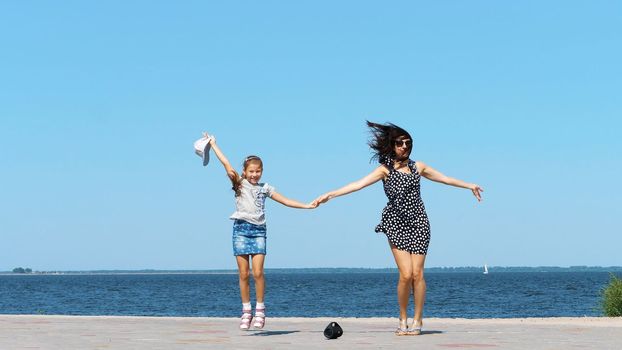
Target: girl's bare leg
<point>419,287</point>
<point>258,276</point>
<point>243,271</point>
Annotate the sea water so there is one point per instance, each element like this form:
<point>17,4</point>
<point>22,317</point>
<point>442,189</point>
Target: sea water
<point>305,294</point>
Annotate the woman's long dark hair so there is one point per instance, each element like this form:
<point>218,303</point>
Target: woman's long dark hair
<point>383,140</point>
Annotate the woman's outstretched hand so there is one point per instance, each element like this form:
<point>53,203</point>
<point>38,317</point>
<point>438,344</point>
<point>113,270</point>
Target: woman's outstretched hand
<point>322,199</point>
<point>477,191</point>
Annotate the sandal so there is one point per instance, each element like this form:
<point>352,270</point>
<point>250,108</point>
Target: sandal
<point>245,321</point>
<point>415,330</point>
<point>260,318</point>
<point>402,329</point>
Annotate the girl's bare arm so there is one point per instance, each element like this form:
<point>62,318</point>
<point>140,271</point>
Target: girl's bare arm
<point>231,173</point>
<point>290,202</point>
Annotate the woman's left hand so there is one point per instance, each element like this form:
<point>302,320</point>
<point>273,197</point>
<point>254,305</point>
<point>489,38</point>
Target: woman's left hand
<point>322,199</point>
<point>477,191</point>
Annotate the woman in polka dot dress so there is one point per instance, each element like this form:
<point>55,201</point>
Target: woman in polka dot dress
<point>404,219</point>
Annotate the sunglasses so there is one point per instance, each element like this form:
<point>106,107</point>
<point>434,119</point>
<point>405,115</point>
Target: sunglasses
<point>402,143</point>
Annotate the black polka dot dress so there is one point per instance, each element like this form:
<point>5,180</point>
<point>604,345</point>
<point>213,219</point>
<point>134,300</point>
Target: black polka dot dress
<point>404,219</point>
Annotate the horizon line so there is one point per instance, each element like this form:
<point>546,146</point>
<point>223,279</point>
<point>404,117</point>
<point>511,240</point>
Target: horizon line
<point>490,267</point>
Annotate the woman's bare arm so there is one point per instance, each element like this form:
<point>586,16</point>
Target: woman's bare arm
<point>434,175</point>
<point>377,174</point>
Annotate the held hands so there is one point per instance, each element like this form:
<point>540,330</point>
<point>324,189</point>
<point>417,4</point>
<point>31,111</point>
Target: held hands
<point>321,199</point>
<point>312,205</point>
<point>476,191</point>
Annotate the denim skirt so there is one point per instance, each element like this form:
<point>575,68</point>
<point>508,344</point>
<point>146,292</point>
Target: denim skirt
<point>248,238</point>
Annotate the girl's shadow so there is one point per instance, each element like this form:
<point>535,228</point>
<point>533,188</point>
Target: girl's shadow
<point>267,333</point>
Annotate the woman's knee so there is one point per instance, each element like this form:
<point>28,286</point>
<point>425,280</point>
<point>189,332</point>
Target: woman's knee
<point>417,275</point>
<point>406,276</point>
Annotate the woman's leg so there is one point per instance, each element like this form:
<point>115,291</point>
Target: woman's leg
<point>258,276</point>
<point>405,283</point>
<point>243,271</point>
<point>419,287</point>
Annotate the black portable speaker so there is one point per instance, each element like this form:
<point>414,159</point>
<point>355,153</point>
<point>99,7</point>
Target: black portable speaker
<point>333,331</point>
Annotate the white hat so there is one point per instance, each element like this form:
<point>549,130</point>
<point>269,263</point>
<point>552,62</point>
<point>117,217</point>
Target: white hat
<point>202,147</point>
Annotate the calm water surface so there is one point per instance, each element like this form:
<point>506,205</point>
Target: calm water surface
<point>468,295</point>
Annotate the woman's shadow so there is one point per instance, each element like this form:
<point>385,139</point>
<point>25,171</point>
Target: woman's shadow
<point>268,333</point>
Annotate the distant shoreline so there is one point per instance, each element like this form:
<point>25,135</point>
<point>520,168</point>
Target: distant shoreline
<point>466,269</point>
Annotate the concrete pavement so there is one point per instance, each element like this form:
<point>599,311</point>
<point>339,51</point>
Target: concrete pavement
<point>116,332</point>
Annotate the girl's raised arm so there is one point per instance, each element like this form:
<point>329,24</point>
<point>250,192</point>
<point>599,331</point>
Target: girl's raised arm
<point>231,173</point>
<point>379,173</point>
<point>432,174</point>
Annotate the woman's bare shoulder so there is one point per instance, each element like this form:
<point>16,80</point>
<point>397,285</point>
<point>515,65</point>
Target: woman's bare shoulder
<point>420,166</point>
<point>383,168</point>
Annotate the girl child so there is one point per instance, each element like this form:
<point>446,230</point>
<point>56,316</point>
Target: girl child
<point>249,229</point>
<point>404,219</point>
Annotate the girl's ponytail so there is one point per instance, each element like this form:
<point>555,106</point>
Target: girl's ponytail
<point>236,182</point>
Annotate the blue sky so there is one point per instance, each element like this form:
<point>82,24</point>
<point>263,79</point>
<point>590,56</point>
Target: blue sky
<point>100,103</point>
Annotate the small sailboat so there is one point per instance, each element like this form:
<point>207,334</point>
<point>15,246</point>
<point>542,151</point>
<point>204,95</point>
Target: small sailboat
<point>485,269</point>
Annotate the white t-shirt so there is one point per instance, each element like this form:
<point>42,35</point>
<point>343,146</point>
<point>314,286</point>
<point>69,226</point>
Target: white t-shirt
<point>250,204</point>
